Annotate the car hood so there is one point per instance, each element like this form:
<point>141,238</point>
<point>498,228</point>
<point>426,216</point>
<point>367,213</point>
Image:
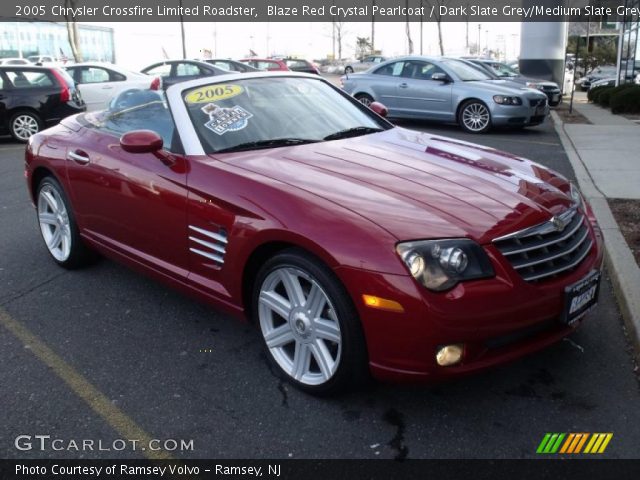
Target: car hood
<point>417,185</point>
<point>505,87</point>
<point>521,79</point>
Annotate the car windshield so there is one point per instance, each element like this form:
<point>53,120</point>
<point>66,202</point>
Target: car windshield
<point>268,112</point>
<point>464,71</point>
<point>502,70</point>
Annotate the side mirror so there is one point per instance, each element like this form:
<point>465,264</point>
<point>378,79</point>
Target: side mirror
<point>441,77</point>
<point>141,141</point>
<point>379,108</point>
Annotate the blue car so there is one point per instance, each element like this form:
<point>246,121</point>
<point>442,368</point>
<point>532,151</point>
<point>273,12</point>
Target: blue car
<point>447,90</point>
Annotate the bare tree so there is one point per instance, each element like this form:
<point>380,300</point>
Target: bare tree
<point>72,32</point>
<point>438,18</point>
<point>408,31</point>
<point>340,32</point>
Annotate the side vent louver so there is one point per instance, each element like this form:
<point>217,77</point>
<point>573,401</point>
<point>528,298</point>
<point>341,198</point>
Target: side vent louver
<point>211,245</point>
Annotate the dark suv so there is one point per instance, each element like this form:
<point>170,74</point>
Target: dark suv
<point>34,98</point>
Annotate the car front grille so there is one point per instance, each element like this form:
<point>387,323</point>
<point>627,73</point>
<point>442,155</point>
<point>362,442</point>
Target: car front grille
<point>548,249</point>
<point>535,102</point>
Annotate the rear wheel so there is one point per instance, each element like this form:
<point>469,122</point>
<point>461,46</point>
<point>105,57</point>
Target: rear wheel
<point>310,328</point>
<point>58,226</point>
<point>474,117</point>
<point>23,125</point>
<point>364,99</point>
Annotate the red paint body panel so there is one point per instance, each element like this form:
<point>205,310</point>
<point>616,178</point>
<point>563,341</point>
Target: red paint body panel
<point>349,202</point>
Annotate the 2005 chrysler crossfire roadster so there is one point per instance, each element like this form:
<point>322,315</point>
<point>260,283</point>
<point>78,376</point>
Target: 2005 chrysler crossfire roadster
<point>355,246</point>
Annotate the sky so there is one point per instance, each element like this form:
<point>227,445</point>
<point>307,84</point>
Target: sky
<point>141,43</point>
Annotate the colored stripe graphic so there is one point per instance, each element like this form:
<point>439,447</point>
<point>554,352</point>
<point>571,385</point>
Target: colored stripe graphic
<point>607,439</point>
<point>567,443</point>
<point>572,443</point>
<point>543,443</point>
<point>551,443</point>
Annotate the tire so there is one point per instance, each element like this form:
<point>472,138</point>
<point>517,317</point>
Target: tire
<point>474,117</point>
<point>348,70</point>
<point>364,99</point>
<point>58,227</point>
<point>321,352</point>
<point>23,125</point>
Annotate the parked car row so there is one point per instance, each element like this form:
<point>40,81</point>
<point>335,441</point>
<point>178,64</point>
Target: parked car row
<point>476,94</point>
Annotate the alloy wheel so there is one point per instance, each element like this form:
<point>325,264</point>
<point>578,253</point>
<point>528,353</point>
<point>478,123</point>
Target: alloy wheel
<point>24,126</point>
<point>475,117</point>
<point>54,223</point>
<point>300,325</point>
<point>365,100</point>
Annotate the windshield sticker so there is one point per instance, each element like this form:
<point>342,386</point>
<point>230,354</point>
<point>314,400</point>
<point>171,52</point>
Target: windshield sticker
<point>223,120</point>
<point>213,92</point>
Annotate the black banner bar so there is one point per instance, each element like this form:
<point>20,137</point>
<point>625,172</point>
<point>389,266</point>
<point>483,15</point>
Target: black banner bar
<point>541,469</point>
<point>319,10</point>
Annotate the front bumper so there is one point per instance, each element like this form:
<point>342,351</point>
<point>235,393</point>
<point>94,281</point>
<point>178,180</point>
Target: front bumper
<point>512,115</point>
<point>497,320</point>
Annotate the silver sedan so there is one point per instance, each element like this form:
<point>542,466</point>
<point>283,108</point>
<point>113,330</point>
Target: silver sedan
<point>447,90</point>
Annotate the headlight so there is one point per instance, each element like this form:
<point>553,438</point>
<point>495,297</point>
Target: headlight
<point>537,86</point>
<point>440,264</point>
<point>507,100</point>
<point>576,196</point>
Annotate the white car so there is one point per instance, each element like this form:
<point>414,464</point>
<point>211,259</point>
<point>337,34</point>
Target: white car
<point>14,61</point>
<point>100,82</point>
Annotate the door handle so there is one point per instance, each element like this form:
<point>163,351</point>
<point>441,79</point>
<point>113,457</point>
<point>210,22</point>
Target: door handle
<point>403,85</point>
<point>107,87</point>
<point>78,156</point>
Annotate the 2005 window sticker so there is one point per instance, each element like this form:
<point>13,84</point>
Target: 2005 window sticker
<point>223,120</point>
<point>212,93</point>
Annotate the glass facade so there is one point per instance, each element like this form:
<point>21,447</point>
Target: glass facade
<point>630,58</point>
<point>25,39</point>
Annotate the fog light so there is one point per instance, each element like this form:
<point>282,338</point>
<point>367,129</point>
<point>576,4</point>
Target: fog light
<point>449,355</point>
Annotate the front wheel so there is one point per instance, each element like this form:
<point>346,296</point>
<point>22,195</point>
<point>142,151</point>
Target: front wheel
<point>310,328</point>
<point>58,226</point>
<point>474,117</point>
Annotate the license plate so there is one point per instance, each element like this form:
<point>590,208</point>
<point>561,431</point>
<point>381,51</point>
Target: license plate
<point>581,297</point>
<point>555,98</point>
<point>540,110</point>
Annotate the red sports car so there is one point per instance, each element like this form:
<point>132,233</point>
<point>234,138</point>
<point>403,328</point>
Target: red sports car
<point>355,246</point>
<point>269,64</point>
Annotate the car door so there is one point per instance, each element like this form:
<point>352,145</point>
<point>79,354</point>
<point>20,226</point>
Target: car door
<point>132,203</point>
<point>383,82</point>
<point>95,85</point>
<point>4,99</point>
<point>420,96</point>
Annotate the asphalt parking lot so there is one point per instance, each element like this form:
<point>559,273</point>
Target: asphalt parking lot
<point>104,352</point>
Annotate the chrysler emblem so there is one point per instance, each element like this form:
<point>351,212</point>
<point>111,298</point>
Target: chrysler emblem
<point>558,223</point>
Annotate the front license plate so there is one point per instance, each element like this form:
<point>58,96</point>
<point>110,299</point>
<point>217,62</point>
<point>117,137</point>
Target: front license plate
<point>540,110</point>
<point>581,297</point>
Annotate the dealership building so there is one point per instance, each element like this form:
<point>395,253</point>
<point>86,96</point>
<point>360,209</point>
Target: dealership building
<point>629,52</point>
<point>24,39</point>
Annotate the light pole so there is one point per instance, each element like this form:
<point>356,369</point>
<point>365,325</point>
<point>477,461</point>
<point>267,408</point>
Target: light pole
<point>479,29</point>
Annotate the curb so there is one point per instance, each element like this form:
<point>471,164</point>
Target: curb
<point>620,262</point>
